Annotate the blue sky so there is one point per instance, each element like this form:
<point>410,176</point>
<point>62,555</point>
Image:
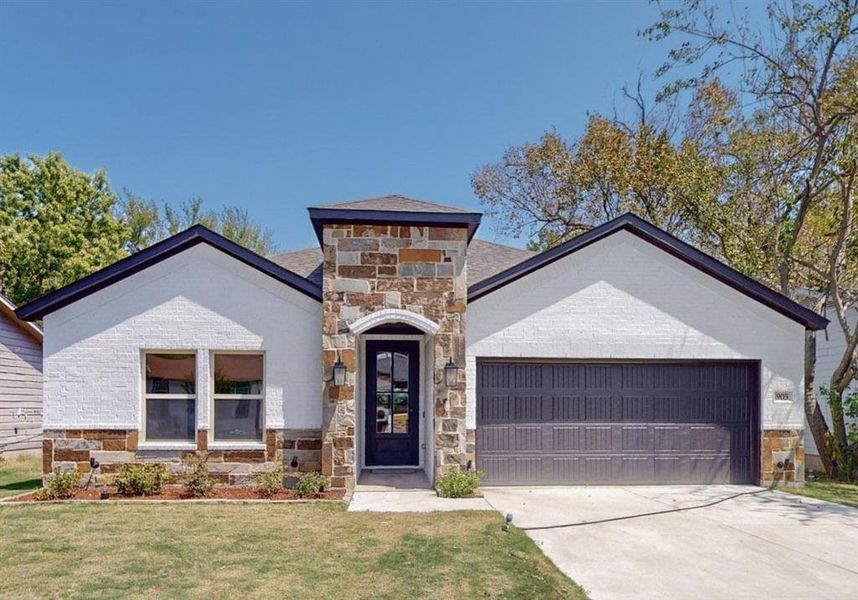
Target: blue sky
<point>279,106</point>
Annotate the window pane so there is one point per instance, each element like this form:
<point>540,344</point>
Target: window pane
<point>382,413</point>
<point>382,371</point>
<point>400,412</point>
<point>172,420</point>
<point>238,374</point>
<point>400,371</point>
<point>170,374</point>
<point>238,420</point>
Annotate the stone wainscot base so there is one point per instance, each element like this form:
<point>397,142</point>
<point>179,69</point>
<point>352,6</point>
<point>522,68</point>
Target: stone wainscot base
<point>73,448</point>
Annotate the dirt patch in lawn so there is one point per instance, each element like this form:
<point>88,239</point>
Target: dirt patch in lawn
<point>176,492</point>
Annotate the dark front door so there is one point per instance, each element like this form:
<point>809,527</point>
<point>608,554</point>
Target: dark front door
<point>392,402</point>
<point>590,423</point>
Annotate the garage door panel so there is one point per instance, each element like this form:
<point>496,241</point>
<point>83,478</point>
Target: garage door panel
<point>494,438</point>
<point>566,408</point>
<point>636,439</point>
<point>640,423</point>
<point>566,439</point>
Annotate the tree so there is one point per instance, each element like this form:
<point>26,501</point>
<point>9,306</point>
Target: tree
<point>552,190</point>
<point>148,224</point>
<point>793,158</point>
<point>56,225</point>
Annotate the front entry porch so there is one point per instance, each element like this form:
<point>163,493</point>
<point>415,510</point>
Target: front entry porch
<point>404,490</point>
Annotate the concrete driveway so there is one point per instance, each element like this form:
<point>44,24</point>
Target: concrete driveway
<point>762,545</point>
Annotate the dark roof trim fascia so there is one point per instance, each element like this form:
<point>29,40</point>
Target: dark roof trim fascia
<point>320,216</point>
<point>663,240</point>
<point>154,254</point>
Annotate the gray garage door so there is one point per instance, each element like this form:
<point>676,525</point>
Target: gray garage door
<point>544,423</point>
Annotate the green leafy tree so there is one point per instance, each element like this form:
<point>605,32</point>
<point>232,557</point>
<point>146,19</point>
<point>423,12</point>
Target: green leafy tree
<point>56,225</point>
<point>150,224</point>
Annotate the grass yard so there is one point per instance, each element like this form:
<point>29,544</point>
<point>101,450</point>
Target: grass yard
<point>841,493</point>
<point>20,474</point>
<point>266,550</point>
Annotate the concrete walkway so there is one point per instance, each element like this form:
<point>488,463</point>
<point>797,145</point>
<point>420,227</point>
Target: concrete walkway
<point>405,492</point>
<point>762,545</point>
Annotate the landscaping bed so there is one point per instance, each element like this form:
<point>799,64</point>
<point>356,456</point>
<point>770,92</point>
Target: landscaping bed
<point>177,492</point>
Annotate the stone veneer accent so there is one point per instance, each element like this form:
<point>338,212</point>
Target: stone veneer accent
<point>782,440</point>
<point>372,267</point>
<point>67,449</point>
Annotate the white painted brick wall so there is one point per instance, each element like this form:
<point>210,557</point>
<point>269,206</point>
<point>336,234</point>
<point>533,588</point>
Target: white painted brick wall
<point>200,300</point>
<point>624,298</point>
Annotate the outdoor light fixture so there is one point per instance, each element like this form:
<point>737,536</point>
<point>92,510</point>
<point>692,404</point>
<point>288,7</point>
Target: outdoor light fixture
<point>294,463</point>
<point>451,373</point>
<point>339,373</point>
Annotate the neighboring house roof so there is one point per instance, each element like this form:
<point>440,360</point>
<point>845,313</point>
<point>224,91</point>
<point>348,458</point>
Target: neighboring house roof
<point>663,240</point>
<point>154,254</point>
<point>393,210</point>
<point>7,307</point>
<point>484,260</point>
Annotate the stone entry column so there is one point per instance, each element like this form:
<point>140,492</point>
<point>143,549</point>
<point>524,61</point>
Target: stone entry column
<point>368,268</point>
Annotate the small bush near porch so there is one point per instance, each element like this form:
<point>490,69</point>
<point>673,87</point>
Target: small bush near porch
<point>266,550</point>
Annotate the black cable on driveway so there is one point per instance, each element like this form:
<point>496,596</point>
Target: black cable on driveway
<point>646,514</point>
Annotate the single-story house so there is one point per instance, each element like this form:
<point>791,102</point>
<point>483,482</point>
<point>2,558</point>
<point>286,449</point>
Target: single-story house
<point>621,356</point>
<point>20,383</point>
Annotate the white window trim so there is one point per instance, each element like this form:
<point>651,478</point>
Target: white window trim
<point>213,397</point>
<point>147,444</point>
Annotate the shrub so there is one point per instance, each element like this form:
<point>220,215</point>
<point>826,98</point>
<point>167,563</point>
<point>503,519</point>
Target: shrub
<point>197,481</point>
<point>61,486</point>
<point>309,485</point>
<point>140,480</point>
<point>269,483</point>
<point>457,483</point>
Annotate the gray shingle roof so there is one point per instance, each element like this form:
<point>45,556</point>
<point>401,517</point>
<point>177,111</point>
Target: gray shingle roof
<point>394,202</point>
<point>488,258</point>
<point>307,263</point>
<point>484,260</point>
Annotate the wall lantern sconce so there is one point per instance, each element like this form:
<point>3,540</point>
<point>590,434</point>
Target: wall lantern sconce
<point>339,373</point>
<point>451,373</point>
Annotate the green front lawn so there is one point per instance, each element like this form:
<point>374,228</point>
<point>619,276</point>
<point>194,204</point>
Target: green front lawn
<point>19,475</point>
<point>841,493</point>
<point>266,550</point>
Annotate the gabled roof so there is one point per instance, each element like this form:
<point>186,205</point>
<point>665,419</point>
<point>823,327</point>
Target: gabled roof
<point>663,240</point>
<point>7,307</point>
<point>154,254</point>
<point>484,260</point>
<point>393,210</point>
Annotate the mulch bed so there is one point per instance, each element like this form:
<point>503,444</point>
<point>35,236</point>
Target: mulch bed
<point>175,492</point>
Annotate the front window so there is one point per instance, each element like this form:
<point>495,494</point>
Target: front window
<point>238,386</point>
<point>171,397</point>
